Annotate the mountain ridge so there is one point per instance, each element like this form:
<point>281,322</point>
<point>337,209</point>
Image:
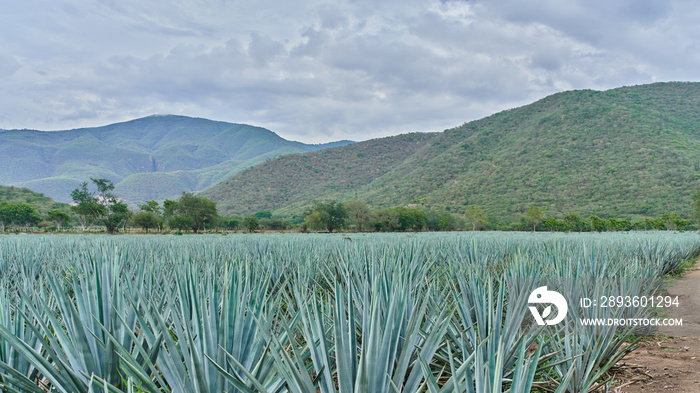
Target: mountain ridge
<point>625,152</point>
<point>184,153</point>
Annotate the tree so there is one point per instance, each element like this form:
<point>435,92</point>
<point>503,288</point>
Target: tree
<point>535,215</point>
<point>201,211</point>
<point>385,220</point>
<point>657,223</point>
<point>616,224</point>
<point>696,206</point>
<point>574,220</point>
<point>251,223</point>
<point>26,215</point>
<point>151,206</point>
<point>400,219</point>
<point>441,221</point>
<point>475,215</point>
<point>58,216</point>
<point>274,224</point>
<point>230,223</point>
<point>169,208</point>
<point>410,219</point>
<point>146,220</point>
<point>314,220</point>
<point>180,222</point>
<point>332,214</point>
<point>18,214</point>
<point>113,212</point>
<point>597,223</point>
<point>153,213</point>
<point>86,206</point>
<point>552,224</point>
<point>674,222</point>
<point>4,216</point>
<point>263,214</point>
<point>105,207</point>
<point>359,213</point>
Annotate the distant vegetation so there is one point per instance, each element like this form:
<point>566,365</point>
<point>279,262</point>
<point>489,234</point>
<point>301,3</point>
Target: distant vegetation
<point>41,202</point>
<point>24,208</point>
<point>96,206</point>
<point>631,153</point>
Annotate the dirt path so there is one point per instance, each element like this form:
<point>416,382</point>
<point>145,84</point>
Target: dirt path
<point>669,362</point>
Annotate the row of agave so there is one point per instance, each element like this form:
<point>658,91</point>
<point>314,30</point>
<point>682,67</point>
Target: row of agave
<point>317,313</point>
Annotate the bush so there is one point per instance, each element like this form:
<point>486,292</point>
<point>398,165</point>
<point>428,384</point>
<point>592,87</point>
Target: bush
<point>274,224</point>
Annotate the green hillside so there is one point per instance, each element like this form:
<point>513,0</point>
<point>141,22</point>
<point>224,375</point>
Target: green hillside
<point>625,152</point>
<point>156,157</point>
<point>24,195</point>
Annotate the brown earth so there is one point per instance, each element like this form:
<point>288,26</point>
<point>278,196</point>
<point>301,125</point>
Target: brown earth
<point>669,361</point>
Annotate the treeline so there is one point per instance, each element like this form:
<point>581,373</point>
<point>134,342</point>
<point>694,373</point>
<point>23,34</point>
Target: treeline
<point>535,219</point>
<point>192,213</point>
<point>356,216</point>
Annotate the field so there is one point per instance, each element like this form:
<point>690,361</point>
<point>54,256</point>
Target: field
<point>433,312</point>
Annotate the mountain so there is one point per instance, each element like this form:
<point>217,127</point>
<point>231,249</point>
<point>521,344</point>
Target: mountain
<point>156,157</point>
<point>625,152</point>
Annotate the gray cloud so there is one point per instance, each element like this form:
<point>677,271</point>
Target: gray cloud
<point>319,71</point>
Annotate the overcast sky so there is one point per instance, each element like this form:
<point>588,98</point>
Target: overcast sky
<point>317,71</point>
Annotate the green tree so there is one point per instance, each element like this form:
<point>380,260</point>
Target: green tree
<point>674,222</point>
<point>151,206</point>
<point>656,223</point>
<point>314,220</point>
<point>574,221</point>
<point>359,213</point>
<point>535,215</point>
<point>400,219</point>
<point>332,214</point>
<point>385,220</point>
<point>616,224</point>
<point>696,206</point>
<point>103,207</point>
<point>86,206</point>
<point>169,208</point>
<point>411,219</point>
<point>230,223</point>
<point>475,215</point>
<point>274,224</point>
<point>18,215</point>
<point>154,216</point>
<point>200,210</point>
<point>180,222</point>
<point>146,220</point>
<point>597,224</point>
<point>441,221</point>
<point>112,212</point>
<point>4,215</point>
<point>263,214</point>
<point>27,214</point>
<point>552,224</point>
<point>59,217</point>
<point>251,223</point>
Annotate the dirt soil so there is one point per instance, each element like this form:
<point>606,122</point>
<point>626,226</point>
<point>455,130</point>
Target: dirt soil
<point>668,362</point>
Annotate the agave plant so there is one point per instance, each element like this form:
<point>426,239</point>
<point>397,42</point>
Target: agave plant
<point>293,313</point>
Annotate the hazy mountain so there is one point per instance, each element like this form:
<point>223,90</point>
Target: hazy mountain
<point>624,152</point>
<point>156,157</point>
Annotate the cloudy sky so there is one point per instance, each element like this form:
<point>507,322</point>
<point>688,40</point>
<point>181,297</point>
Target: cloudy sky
<point>317,71</point>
